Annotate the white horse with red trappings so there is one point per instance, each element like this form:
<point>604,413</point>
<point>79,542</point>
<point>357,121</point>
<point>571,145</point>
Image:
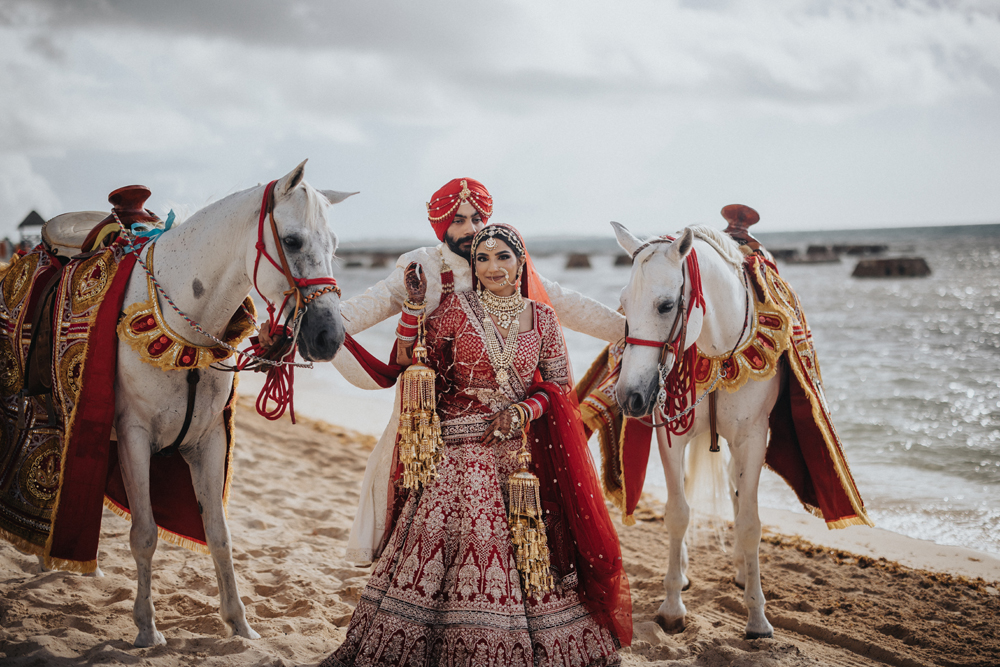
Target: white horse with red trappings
<point>650,302</point>
<point>207,267</point>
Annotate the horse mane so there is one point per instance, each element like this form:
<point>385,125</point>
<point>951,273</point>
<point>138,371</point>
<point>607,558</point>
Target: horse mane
<point>721,242</point>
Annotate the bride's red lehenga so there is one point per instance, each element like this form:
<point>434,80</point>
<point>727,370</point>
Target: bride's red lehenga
<point>446,589</point>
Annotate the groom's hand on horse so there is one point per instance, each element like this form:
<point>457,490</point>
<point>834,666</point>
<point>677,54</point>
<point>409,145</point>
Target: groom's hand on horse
<point>416,283</point>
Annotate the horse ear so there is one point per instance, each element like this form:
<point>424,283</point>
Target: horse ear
<point>680,248</point>
<point>336,197</point>
<point>291,180</point>
<point>626,239</point>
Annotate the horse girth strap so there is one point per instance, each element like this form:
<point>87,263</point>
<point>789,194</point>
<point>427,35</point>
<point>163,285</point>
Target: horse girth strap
<point>713,420</point>
<point>193,377</point>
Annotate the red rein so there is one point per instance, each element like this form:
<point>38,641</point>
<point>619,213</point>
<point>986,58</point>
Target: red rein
<point>278,387</point>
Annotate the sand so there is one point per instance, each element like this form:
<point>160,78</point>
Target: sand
<point>292,502</point>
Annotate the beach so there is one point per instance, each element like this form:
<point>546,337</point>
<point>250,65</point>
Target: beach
<point>853,597</point>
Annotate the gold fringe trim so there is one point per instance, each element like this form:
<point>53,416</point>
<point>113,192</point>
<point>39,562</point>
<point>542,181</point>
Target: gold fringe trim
<point>850,521</point>
<point>78,566</point>
<point>839,460</point>
<point>163,533</point>
<point>230,444</point>
<point>21,544</point>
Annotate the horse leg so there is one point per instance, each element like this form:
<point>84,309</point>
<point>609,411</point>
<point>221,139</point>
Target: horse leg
<point>207,461</point>
<point>749,455</point>
<point>677,515</point>
<point>134,454</point>
<point>738,560</point>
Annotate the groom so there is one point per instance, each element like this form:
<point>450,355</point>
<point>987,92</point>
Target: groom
<point>456,212</point>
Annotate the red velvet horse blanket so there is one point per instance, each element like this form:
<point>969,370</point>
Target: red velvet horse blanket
<point>803,448</point>
<point>58,463</point>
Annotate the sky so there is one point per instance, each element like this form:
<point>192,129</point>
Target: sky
<point>819,114</point>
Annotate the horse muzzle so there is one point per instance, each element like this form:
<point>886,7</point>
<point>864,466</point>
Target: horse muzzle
<point>637,399</point>
<point>322,331</point>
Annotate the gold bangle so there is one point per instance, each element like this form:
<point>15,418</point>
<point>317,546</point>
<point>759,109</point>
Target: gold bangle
<point>415,306</point>
<point>522,416</point>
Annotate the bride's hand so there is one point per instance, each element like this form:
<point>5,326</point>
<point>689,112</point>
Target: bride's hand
<point>501,422</point>
<point>415,282</point>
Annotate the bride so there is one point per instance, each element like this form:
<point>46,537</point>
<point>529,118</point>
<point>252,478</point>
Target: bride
<point>451,587</point>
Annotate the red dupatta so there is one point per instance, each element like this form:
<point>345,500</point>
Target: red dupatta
<point>581,535</point>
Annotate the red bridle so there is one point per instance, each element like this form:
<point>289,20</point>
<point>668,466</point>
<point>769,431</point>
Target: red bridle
<point>295,284</point>
<point>674,342</point>
<point>280,378</point>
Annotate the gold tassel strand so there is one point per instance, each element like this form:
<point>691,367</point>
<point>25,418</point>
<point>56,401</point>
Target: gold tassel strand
<point>420,445</point>
<point>527,525</point>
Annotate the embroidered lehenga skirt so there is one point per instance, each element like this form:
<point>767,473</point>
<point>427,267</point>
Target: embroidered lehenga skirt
<point>446,590</point>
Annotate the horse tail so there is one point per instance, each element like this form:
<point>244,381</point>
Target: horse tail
<point>706,486</point>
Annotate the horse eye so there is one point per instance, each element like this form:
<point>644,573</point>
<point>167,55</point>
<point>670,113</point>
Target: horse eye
<point>665,307</point>
<point>292,242</point>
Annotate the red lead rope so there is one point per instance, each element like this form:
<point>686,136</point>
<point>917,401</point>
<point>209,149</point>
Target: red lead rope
<point>278,386</point>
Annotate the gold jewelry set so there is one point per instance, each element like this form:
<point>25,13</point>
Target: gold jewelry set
<point>505,308</point>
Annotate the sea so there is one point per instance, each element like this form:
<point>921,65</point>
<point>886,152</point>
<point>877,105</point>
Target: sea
<point>911,368</point>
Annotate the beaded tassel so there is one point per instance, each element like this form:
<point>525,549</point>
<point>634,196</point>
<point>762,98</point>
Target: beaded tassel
<point>420,445</point>
<point>527,526</point>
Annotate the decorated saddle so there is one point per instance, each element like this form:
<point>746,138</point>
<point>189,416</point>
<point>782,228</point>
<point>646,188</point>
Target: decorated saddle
<point>59,334</point>
<point>803,448</point>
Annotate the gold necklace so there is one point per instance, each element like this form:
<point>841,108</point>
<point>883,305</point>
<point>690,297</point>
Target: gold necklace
<point>505,308</point>
<point>501,352</point>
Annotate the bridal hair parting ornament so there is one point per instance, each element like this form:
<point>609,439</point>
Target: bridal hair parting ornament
<point>527,525</point>
<point>420,444</point>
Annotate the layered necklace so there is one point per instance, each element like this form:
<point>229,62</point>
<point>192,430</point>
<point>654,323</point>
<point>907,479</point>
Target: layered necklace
<point>506,309</point>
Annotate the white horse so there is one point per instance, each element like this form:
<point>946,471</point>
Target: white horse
<point>650,302</point>
<point>206,266</point>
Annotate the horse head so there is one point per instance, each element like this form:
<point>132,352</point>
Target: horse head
<point>655,299</point>
<point>308,243</point>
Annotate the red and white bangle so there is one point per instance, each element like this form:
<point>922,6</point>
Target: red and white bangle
<point>536,404</point>
<point>409,321</point>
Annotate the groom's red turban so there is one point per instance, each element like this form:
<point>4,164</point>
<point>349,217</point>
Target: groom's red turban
<point>442,206</point>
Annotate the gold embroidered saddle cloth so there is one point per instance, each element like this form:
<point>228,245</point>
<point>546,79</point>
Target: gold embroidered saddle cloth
<point>55,441</point>
<point>804,448</point>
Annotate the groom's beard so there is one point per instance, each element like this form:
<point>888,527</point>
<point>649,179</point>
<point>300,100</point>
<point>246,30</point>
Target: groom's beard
<point>461,247</point>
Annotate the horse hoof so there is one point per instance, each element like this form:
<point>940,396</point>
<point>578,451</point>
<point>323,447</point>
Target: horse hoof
<point>687,584</point>
<point>739,585</point>
<point>243,630</point>
<point>96,573</point>
<point>670,625</point>
<point>148,639</point>
<point>760,635</point>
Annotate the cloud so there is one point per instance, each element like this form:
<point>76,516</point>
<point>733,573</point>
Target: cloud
<point>21,191</point>
<point>632,107</point>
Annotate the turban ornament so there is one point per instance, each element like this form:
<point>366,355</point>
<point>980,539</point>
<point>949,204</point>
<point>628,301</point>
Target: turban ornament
<point>442,206</point>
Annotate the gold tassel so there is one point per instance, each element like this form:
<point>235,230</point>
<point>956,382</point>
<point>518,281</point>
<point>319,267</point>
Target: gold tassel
<point>527,525</point>
<point>420,445</point>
